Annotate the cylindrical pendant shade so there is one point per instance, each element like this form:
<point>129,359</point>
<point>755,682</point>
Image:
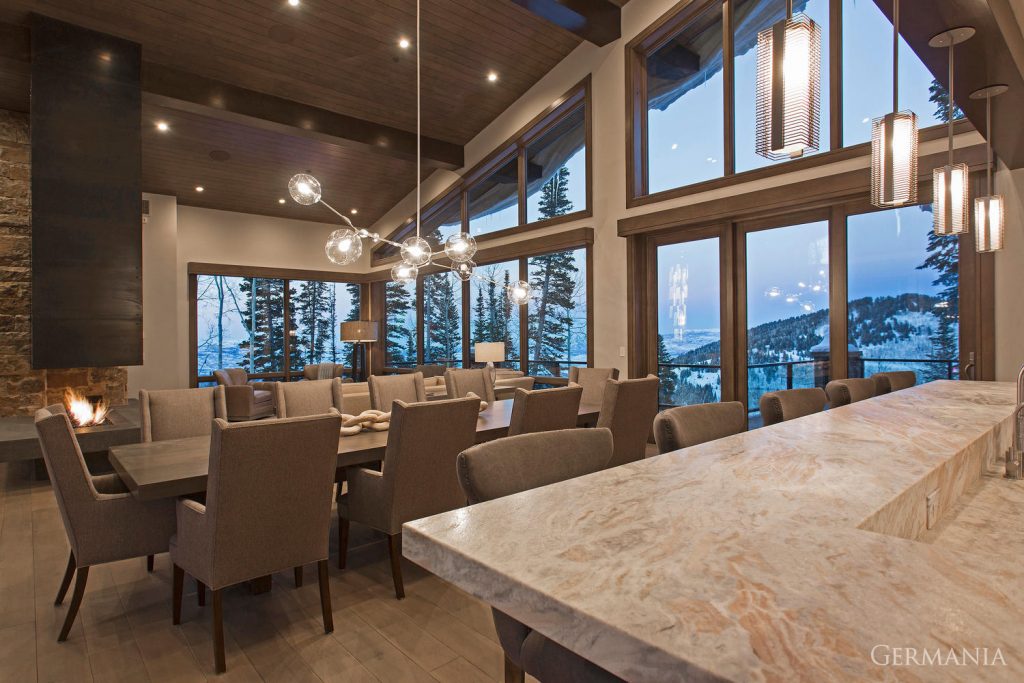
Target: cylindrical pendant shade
<point>988,222</point>
<point>359,331</point>
<point>894,159</point>
<point>949,202</point>
<point>788,88</point>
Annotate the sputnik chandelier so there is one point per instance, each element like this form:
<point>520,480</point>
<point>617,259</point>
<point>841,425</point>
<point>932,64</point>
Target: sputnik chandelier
<point>345,245</point>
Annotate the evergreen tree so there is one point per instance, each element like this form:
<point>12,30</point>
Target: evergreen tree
<point>480,315</point>
<point>944,258</point>
<point>554,195</point>
<point>442,333</point>
<point>400,345</point>
<point>354,297</point>
<point>503,322</point>
<point>312,305</point>
<point>666,375</point>
<point>262,315</point>
<point>939,96</point>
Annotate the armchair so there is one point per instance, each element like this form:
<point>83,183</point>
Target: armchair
<point>245,400</point>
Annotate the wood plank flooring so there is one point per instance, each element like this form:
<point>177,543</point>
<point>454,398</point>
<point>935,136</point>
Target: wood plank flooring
<point>124,630</point>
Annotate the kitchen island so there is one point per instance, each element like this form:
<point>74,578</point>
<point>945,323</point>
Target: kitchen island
<point>800,551</point>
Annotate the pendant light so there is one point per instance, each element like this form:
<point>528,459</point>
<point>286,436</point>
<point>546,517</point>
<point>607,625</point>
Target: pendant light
<point>894,142</point>
<point>989,213</point>
<point>950,191</point>
<point>788,87</point>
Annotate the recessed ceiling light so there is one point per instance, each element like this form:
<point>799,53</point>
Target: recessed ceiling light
<point>354,211</point>
<point>293,3</point>
<point>281,200</point>
<point>404,43</point>
<point>199,188</point>
<point>492,76</point>
<point>162,126</point>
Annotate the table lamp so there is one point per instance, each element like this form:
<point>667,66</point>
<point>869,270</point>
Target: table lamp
<point>359,333</point>
<point>490,353</point>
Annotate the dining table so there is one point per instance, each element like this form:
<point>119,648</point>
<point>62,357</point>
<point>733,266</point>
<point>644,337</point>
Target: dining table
<point>179,467</point>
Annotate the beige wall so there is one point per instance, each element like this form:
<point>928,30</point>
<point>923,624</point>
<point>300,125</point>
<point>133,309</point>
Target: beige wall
<point>1009,302</point>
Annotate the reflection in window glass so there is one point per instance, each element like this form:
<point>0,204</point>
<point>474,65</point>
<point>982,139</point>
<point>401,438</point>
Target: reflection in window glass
<point>494,200</point>
<point>442,319</point>
<point>685,127</point>
<point>492,317</point>
<point>787,309</point>
<point>689,323</point>
<point>556,170</point>
<point>400,321</point>
<point>867,74</point>
<point>557,316</point>
<point>903,295</point>
<point>444,223</point>
<point>240,324</point>
<point>318,309</point>
<point>750,17</point>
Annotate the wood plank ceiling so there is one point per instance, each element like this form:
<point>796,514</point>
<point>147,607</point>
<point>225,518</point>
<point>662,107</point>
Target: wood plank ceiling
<point>338,55</point>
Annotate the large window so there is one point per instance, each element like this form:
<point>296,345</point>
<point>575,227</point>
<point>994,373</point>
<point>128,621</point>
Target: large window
<point>492,317</point>
<point>442,319</point>
<point>557,317</point>
<point>256,323</point>
<point>903,292</point>
<point>556,169</point>
<point>400,324</point>
<point>494,200</point>
<point>689,322</point>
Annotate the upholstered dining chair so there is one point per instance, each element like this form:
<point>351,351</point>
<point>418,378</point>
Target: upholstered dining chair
<point>103,521</point>
<point>430,370</point>
<point>323,371</point>
<point>309,397</point>
<point>386,389</point>
<point>516,383</point>
<point>842,392</point>
<point>245,400</point>
<point>628,410</point>
<point>519,463</point>
<point>687,426</point>
<point>461,382</point>
<point>180,413</point>
<point>886,382</point>
<point>789,404</point>
<point>593,381</point>
<point>545,410</point>
<point>268,508</point>
<point>418,476</point>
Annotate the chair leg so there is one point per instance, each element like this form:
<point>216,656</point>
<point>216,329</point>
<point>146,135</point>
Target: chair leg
<point>298,577</point>
<point>396,564</point>
<point>201,593</point>
<point>76,602</point>
<point>513,674</point>
<point>179,586</point>
<point>325,596</point>
<point>66,581</point>
<point>149,563</point>
<point>342,542</point>
<point>218,633</point>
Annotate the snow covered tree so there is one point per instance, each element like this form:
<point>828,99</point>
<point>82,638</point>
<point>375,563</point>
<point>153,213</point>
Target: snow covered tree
<point>666,375</point>
<point>442,323</point>
<point>400,344</point>
<point>262,315</point>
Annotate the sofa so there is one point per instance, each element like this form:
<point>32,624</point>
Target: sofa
<point>355,396</point>
<point>245,400</point>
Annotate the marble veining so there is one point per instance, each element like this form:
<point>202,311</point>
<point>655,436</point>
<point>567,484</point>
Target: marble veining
<point>786,553</point>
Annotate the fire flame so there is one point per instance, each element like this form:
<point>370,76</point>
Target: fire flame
<point>83,413</point>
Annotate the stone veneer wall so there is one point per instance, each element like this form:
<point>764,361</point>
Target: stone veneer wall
<point>22,389</point>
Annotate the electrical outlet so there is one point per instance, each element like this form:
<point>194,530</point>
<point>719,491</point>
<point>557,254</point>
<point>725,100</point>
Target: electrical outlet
<point>622,352</point>
<point>931,503</point>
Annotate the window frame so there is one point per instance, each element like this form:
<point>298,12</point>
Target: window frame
<point>675,20</point>
<point>513,148</point>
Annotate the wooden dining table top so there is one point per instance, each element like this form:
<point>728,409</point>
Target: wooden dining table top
<point>179,467</point>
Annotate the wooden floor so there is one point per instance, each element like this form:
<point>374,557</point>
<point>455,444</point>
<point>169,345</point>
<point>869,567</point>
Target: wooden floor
<point>124,630</point>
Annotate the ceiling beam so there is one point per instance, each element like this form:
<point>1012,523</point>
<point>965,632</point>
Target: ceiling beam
<point>598,21</point>
<point>174,89</point>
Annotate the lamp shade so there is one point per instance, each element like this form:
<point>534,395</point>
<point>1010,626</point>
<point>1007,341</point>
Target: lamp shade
<point>359,331</point>
<point>490,352</point>
<point>950,201</point>
<point>989,222</point>
<point>894,159</point>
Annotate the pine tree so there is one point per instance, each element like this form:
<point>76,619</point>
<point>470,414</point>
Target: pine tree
<point>939,96</point>
<point>480,331</point>
<point>263,317</point>
<point>554,195</point>
<point>347,349</point>
<point>666,375</point>
<point>312,306</point>
<point>442,331</point>
<point>400,345</point>
<point>944,258</point>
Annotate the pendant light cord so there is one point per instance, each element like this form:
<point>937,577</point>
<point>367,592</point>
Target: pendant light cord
<point>789,9</point>
<point>419,136</point>
<point>895,54</point>
<point>988,140</point>
<point>949,116</point>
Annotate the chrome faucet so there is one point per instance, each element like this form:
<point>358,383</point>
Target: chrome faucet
<point>1015,456</point>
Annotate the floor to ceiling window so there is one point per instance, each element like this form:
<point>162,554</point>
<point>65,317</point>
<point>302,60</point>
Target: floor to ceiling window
<point>492,317</point>
<point>787,283</point>
<point>689,322</point>
<point>400,324</point>
<point>318,309</point>
<point>557,313</point>
<point>442,319</point>
<point>903,295</point>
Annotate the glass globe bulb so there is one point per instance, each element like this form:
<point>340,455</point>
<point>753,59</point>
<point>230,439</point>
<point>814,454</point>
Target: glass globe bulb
<point>464,270</point>
<point>304,188</point>
<point>519,292</point>
<point>404,273</point>
<point>344,246</point>
<point>416,251</point>
<point>460,247</point>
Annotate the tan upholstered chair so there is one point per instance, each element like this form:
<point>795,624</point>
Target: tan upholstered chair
<point>886,382</point>
<point>687,426</point>
<point>461,382</point>
<point>104,522</point>
<point>843,392</point>
<point>311,372</point>
<point>268,508</point>
<point>430,370</point>
<point>310,397</point>
<point>545,410</point>
<point>386,389</point>
<point>418,476</point>
<point>628,409</point>
<point>789,404</point>
<point>245,400</point>
<point>519,463</point>
<point>180,413</point>
<point>593,381</point>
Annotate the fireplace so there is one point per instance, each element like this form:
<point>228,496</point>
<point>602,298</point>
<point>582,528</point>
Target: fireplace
<point>85,411</point>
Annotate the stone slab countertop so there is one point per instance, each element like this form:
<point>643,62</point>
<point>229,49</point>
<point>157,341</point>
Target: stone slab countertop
<point>788,553</point>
